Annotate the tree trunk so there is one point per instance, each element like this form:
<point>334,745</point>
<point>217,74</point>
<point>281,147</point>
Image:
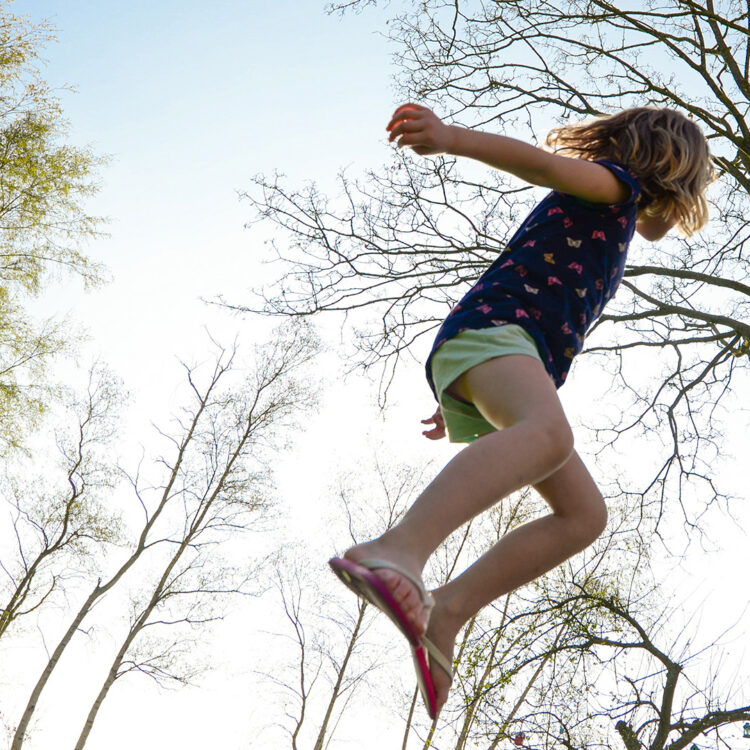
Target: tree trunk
<point>20,735</point>
<point>108,682</point>
<point>334,696</point>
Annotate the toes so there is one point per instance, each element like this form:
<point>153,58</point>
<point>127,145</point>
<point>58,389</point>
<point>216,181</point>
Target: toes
<point>400,589</point>
<point>415,611</point>
<point>408,598</point>
<point>394,583</point>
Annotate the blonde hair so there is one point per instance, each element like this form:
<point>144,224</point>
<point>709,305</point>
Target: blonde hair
<point>666,151</point>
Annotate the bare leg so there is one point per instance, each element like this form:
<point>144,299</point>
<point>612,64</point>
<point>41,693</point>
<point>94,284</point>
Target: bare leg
<point>534,446</point>
<point>578,517</point>
<point>516,395</point>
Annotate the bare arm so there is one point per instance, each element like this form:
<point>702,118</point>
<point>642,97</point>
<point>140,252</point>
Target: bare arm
<point>578,177</point>
<point>419,128</point>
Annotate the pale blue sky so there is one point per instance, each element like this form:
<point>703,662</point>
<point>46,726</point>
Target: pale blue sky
<point>261,83</point>
<point>189,100</point>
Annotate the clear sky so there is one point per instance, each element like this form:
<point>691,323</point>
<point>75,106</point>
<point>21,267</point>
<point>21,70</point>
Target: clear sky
<point>189,100</point>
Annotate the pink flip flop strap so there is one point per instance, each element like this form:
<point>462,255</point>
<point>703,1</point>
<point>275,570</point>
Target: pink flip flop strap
<point>438,656</point>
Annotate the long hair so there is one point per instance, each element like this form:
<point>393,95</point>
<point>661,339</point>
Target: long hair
<point>665,150</point>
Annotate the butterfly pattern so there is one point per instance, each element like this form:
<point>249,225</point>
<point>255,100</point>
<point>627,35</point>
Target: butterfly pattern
<point>568,260</point>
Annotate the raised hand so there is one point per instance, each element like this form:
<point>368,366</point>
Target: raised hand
<point>421,129</point>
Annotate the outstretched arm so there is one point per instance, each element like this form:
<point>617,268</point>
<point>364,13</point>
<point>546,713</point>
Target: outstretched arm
<point>419,128</point>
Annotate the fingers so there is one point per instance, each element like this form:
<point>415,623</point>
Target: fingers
<point>438,432</point>
<point>436,418</point>
<point>405,126</point>
<point>406,112</point>
<point>411,106</point>
<point>416,141</point>
<point>418,128</point>
<point>417,137</point>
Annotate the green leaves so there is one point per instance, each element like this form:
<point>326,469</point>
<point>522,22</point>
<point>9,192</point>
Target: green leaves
<point>44,183</point>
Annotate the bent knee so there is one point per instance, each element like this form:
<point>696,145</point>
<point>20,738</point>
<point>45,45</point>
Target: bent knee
<point>555,438</point>
<point>595,517</point>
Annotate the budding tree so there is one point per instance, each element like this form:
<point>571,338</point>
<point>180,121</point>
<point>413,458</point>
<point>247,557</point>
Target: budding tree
<point>44,183</point>
<point>211,483</point>
<point>59,520</point>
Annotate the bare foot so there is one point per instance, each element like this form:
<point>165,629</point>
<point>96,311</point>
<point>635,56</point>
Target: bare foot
<point>403,590</point>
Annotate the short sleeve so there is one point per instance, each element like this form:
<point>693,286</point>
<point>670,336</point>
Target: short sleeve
<point>624,175</point>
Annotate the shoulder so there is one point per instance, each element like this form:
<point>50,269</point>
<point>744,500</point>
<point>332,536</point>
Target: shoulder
<point>625,176</point>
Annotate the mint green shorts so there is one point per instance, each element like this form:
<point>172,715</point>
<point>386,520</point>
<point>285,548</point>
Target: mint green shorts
<point>468,349</point>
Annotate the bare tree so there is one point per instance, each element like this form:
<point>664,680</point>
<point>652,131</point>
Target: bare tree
<point>322,663</point>
<point>335,655</point>
<point>215,473</point>
<point>58,531</point>
<point>657,696</point>
<point>405,241</point>
<point>595,654</point>
<point>499,650</point>
<point>591,655</point>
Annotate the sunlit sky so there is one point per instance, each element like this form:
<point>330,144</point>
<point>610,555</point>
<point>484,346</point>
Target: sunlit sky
<point>189,100</point>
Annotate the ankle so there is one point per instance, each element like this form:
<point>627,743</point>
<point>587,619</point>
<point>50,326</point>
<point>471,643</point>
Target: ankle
<point>452,612</point>
<point>410,539</point>
<point>393,545</point>
<point>401,543</point>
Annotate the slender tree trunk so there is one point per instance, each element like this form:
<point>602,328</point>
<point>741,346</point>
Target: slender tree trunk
<point>100,590</point>
<point>135,629</point>
<point>20,735</point>
<point>501,734</point>
<point>471,710</point>
<point>17,598</point>
<point>334,696</point>
<point>410,717</point>
<point>195,527</point>
<point>108,682</point>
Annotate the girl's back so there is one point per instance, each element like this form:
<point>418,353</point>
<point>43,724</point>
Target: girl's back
<point>559,270</point>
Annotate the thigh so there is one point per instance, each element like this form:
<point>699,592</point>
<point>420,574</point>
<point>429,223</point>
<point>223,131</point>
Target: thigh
<point>509,389</point>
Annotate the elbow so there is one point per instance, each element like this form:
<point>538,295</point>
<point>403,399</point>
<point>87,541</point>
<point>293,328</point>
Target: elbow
<point>648,232</point>
<point>653,228</point>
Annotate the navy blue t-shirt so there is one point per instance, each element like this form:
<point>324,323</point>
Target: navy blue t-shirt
<point>557,273</point>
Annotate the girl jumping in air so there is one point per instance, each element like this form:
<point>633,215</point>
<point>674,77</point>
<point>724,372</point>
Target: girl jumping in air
<point>508,345</point>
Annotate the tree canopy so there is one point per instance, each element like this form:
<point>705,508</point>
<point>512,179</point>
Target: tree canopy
<point>44,183</point>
